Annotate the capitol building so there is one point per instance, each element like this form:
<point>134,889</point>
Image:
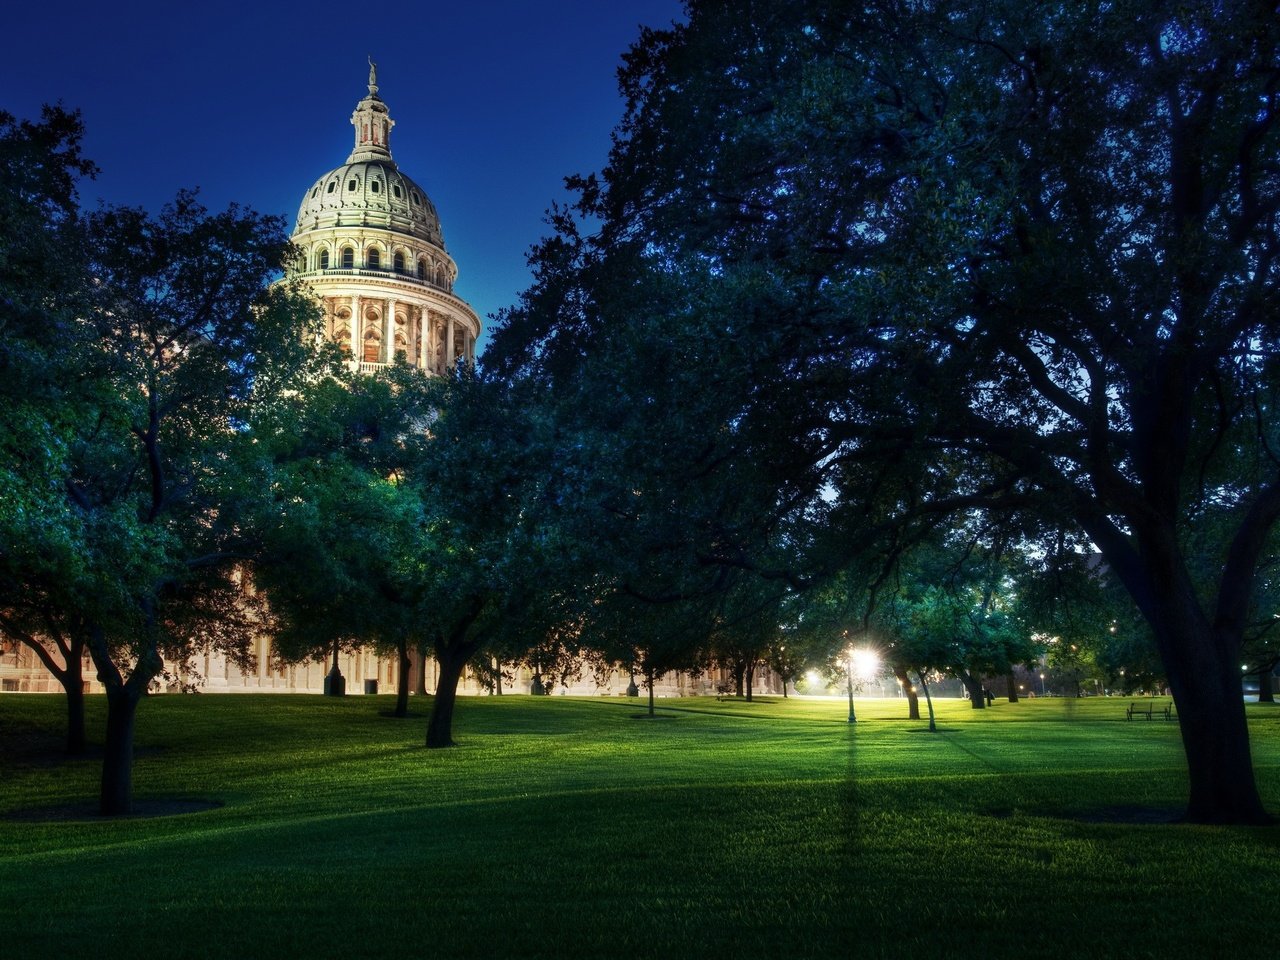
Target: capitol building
<point>373,252</point>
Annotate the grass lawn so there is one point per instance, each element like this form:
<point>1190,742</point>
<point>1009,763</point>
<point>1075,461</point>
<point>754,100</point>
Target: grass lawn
<point>572,828</point>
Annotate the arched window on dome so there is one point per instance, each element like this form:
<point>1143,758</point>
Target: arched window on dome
<point>372,345</point>
<point>413,194</point>
<point>348,258</point>
<point>322,260</point>
<point>373,259</point>
<point>342,330</point>
<point>422,269</point>
<point>398,262</point>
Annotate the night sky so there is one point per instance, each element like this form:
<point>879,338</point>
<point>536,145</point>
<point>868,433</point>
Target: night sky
<point>495,102</point>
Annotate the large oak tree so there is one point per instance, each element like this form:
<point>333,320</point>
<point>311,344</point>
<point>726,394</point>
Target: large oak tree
<point>1015,256</point>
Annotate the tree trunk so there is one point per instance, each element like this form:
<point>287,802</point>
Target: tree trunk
<point>785,679</point>
<point>70,675</point>
<point>1012,687</point>
<point>749,676</point>
<point>738,670</point>
<point>973,684</point>
<point>913,699</point>
<point>1215,733</point>
<point>648,679</point>
<point>440,726</point>
<point>1265,693</point>
<point>116,798</point>
<point>933,725</point>
<point>497,676</point>
<point>402,681</point>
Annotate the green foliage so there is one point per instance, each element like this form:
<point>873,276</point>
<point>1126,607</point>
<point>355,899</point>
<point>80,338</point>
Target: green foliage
<point>925,259</point>
<point>341,531</point>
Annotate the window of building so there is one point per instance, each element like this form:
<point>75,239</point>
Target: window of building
<point>413,195</point>
<point>322,260</point>
<point>422,269</point>
<point>315,193</point>
<point>373,259</point>
<point>332,184</point>
<point>395,190</point>
<point>374,186</point>
<point>348,258</point>
<point>399,262</point>
<point>351,185</point>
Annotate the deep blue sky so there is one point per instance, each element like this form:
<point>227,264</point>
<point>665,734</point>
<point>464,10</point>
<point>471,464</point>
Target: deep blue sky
<point>495,101</point>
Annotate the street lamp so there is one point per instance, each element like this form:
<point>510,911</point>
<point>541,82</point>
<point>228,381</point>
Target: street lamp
<point>865,663</point>
<point>848,675</point>
<point>1042,684</point>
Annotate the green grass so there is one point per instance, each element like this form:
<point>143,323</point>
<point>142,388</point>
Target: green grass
<point>572,828</point>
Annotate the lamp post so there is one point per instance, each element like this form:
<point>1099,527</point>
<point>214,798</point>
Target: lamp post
<point>866,663</point>
<point>848,674</point>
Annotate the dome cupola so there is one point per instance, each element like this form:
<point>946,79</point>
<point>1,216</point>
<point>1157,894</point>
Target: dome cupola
<point>369,189</point>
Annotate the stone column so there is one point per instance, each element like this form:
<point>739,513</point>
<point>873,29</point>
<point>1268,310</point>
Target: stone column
<point>357,346</point>
<point>448,347</point>
<point>422,338</point>
<point>389,333</point>
<point>264,651</point>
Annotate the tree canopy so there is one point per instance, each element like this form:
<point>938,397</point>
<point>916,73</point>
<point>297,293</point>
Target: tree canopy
<point>935,257</point>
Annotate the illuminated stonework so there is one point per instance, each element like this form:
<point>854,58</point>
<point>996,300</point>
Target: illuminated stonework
<point>373,252</point>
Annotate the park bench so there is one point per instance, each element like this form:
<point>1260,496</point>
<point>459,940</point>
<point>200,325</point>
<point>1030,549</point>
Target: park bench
<point>1138,710</point>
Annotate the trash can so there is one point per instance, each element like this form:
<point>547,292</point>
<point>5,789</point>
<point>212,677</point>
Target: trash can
<point>371,686</point>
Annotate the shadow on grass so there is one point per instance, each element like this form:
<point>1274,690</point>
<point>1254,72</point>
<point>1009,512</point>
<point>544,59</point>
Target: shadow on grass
<point>1125,813</point>
<point>86,811</point>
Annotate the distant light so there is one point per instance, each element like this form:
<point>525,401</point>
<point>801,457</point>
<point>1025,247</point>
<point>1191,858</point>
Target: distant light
<point>866,663</point>
<point>812,677</point>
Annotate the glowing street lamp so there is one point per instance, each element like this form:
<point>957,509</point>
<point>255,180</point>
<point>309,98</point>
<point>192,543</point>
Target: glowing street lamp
<point>865,663</point>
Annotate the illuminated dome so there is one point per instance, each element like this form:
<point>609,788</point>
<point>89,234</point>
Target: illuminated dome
<point>370,193</point>
<point>372,250</point>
